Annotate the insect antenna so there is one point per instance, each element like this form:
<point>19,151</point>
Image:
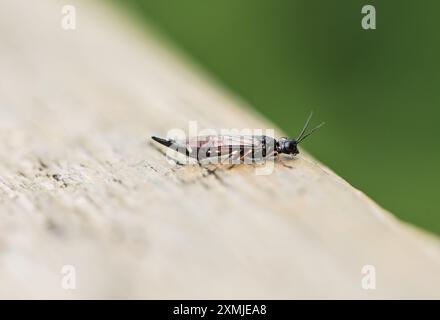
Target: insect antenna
<point>311,131</point>
<point>305,126</point>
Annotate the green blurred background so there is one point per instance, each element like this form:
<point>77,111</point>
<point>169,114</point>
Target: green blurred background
<point>377,90</point>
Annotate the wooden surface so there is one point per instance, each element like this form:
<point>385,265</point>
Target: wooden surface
<point>81,185</point>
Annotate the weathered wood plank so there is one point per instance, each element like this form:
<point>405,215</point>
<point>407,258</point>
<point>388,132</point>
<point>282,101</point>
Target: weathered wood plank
<point>79,184</point>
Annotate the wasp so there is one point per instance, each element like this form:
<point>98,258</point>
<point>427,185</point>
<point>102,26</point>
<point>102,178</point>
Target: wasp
<point>237,148</point>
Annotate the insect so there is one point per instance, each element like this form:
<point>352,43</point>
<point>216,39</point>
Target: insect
<point>239,148</point>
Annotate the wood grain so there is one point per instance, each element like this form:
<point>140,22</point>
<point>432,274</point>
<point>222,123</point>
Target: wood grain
<point>81,185</point>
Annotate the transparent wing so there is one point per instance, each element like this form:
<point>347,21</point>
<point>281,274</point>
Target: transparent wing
<point>223,141</point>
<point>206,146</point>
<point>247,140</point>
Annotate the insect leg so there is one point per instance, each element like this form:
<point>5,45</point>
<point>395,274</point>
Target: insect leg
<point>272,154</point>
<point>232,154</point>
<point>278,157</point>
<point>241,158</point>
